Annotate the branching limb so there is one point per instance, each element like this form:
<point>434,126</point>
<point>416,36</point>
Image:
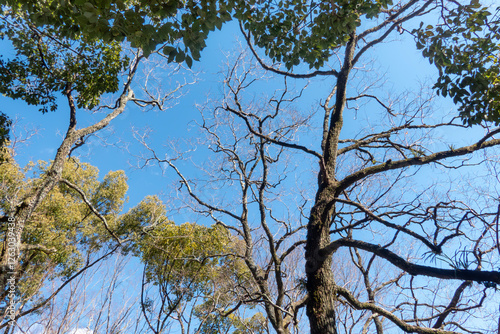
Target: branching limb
<point>375,138</point>
<point>294,309</point>
<point>387,314</point>
<point>453,303</point>
<point>93,209</point>
<point>242,115</point>
<point>277,71</point>
<point>417,161</point>
<point>435,248</point>
<point>389,109</point>
<point>395,24</point>
<point>411,268</point>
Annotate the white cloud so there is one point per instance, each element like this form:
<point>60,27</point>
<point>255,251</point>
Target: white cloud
<point>81,331</point>
<point>39,329</point>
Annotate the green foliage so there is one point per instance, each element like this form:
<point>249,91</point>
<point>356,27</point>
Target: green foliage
<point>46,65</point>
<point>5,124</point>
<point>256,324</point>
<point>189,263</point>
<point>12,182</point>
<point>299,30</point>
<point>215,323</point>
<point>183,256</point>
<point>145,24</point>
<point>230,283</point>
<point>466,51</point>
<point>63,231</point>
<point>290,31</point>
<point>148,214</point>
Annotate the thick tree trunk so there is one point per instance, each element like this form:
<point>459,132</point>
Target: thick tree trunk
<point>320,280</point>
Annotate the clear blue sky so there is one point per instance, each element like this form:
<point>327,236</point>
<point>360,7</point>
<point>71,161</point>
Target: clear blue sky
<point>404,70</point>
<point>404,67</point>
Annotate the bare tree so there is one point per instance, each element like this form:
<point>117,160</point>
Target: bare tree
<point>242,188</point>
<point>396,233</point>
<point>99,301</point>
<point>371,199</point>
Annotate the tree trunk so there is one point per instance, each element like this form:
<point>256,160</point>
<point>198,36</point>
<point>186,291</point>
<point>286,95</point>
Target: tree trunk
<point>320,281</point>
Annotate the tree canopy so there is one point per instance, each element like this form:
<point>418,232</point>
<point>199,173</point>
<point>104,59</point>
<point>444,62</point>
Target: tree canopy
<point>351,207</point>
<point>144,24</point>
<point>465,48</point>
<point>45,66</point>
<point>292,32</point>
<point>289,31</point>
<point>63,235</point>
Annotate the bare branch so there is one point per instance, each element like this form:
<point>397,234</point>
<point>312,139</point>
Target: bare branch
<point>417,161</point>
<point>387,314</point>
<point>413,269</point>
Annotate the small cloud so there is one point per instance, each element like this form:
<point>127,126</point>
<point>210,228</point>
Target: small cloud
<point>39,329</point>
<point>81,331</point>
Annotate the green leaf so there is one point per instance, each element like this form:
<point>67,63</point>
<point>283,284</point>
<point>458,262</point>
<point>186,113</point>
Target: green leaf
<point>189,61</point>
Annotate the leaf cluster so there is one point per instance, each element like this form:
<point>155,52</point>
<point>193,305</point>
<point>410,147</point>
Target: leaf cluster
<point>63,231</point>
<point>5,124</point>
<point>215,323</point>
<point>466,50</point>
<point>183,255</point>
<point>295,31</point>
<point>46,64</point>
<point>145,24</point>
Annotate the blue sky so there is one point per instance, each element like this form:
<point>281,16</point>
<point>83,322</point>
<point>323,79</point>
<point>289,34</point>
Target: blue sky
<point>405,70</point>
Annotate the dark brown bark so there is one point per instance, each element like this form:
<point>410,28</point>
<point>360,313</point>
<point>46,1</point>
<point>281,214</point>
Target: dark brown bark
<point>411,268</point>
<point>453,304</point>
<point>320,279</point>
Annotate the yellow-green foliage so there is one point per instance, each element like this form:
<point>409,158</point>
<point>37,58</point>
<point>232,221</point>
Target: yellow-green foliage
<point>12,181</point>
<point>184,255</point>
<point>213,323</point>
<point>190,260</point>
<point>63,230</point>
<point>147,215</point>
<point>255,324</point>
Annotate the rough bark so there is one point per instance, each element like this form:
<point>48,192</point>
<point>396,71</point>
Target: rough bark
<point>320,279</point>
